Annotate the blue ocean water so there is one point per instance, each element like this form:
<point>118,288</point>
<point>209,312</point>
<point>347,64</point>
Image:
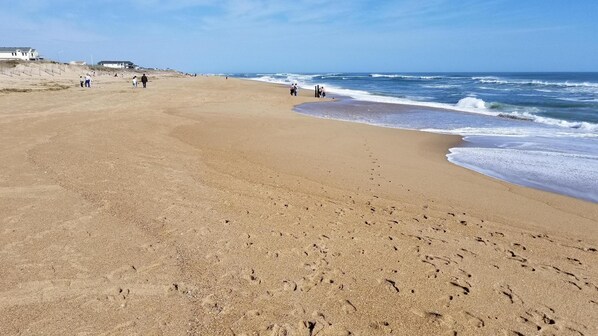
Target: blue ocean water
<point>534,129</point>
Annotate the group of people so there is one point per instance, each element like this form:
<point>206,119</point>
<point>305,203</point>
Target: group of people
<point>294,89</point>
<point>143,81</point>
<point>320,91</point>
<point>85,81</point>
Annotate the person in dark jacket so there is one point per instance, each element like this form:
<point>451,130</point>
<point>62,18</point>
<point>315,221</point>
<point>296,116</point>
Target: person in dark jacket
<point>144,80</point>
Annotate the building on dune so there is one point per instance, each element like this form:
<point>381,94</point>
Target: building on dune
<point>18,53</point>
<point>117,64</point>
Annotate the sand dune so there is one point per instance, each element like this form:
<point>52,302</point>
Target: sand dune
<point>206,206</point>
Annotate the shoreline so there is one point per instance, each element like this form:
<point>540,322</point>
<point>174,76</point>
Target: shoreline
<point>506,176</point>
<point>470,105</point>
<point>208,206</point>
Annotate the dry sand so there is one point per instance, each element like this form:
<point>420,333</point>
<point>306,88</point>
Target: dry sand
<point>205,206</point>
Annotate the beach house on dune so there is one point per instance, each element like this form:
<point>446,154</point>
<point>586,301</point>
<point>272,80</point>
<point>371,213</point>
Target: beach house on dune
<point>117,64</point>
<point>18,53</point>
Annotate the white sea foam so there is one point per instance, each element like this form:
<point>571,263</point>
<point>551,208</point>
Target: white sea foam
<point>270,79</point>
<point>483,131</point>
<point>386,76</point>
<point>286,78</point>
<point>567,84</point>
<point>581,125</point>
<point>579,99</point>
<point>517,132</point>
<point>570,174</point>
<point>469,103</point>
<point>494,81</point>
<point>404,76</point>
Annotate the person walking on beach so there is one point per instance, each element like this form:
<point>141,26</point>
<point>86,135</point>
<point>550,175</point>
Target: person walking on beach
<point>294,89</point>
<point>81,81</point>
<point>322,92</point>
<point>134,81</point>
<point>144,80</point>
<point>87,81</point>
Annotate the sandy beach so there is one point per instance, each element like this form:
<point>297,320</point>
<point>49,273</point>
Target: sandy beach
<point>206,206</point>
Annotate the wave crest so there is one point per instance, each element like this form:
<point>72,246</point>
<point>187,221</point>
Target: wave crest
<point>404,76</point>
<point>471,103</point>
<point>495,80</point>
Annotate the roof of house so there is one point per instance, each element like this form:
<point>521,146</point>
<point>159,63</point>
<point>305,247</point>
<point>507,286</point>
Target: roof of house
<point>115,62</point>
<point>13,49</point>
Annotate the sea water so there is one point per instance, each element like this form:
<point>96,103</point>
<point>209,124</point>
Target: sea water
<point>534,129</point>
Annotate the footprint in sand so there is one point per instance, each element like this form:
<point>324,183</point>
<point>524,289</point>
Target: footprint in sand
<point>348,307</point>
<point>474,320</point>
<point>249,275</point>
<point>390,285</point>
<point>505,291</point>
<point>461,284</point>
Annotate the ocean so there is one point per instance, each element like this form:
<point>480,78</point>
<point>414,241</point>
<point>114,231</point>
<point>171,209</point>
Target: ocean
<point>533,129</point>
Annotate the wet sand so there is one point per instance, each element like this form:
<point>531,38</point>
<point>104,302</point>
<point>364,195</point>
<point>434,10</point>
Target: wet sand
<point>206,206</point>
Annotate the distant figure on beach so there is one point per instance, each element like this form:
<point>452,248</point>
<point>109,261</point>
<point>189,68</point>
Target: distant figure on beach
<point>81,81</point>
<point>87,81</point>
<point>115,75</point>
<point>294,89</point>
<point>134,81</point>
<point>144,80</point>
<point>322,92</point>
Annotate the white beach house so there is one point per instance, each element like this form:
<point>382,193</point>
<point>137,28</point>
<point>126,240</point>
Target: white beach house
<point>117,64</point>
<point>18,53</point>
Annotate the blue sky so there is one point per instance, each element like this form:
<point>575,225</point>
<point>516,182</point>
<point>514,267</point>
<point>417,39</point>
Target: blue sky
<point>222,36</point>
